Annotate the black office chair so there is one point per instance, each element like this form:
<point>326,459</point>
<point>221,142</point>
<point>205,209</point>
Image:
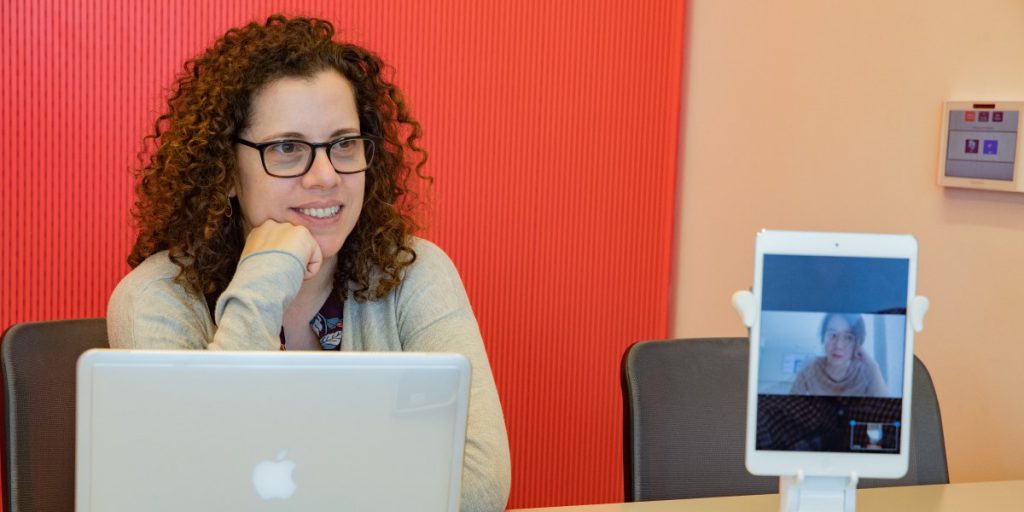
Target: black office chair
<point>38,361</point>
<point>684,409</point>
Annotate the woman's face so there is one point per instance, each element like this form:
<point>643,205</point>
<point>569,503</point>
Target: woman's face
<point>317,109</point>
<point>840,340</point>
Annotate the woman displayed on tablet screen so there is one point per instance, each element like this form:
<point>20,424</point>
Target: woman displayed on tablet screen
<point>845,369</point>
<point>275,213</point>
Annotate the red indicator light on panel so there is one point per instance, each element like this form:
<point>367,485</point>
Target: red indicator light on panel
<point>969,116</point>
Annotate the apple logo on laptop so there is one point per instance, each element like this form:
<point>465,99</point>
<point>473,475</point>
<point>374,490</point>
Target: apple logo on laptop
<point>273,479</point>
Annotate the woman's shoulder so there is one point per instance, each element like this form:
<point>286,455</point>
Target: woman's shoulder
<point>157,268</point>
<point>426,249</point>
<point>155,273</point>
<point>431,261</point>
<point>432,275</point>
<point>865,369</point>
<point>149,302</point>
<point>811,371</point>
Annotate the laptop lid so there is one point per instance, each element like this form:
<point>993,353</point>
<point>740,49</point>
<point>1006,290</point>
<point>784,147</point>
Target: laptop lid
<point>269,431</point>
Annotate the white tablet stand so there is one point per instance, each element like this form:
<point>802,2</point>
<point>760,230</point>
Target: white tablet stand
<point>818,493</point>
<point>805,493</point>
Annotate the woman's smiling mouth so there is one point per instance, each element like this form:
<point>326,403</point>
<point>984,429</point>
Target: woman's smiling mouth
<point>320,213</point>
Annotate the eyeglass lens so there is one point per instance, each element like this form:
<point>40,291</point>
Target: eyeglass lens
<point>844,336</point>
<point>292,158</point>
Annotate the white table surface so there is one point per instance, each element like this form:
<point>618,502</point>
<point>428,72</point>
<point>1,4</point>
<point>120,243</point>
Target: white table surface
<point>962,497</point>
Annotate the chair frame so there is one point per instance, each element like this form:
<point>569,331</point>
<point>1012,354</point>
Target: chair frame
<point>38,361</point>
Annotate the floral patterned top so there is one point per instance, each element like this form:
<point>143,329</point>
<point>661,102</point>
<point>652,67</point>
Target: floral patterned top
<point>327,324</point>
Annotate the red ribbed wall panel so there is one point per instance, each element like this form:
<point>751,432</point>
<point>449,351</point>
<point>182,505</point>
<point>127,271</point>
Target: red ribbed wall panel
<point>552,128</point>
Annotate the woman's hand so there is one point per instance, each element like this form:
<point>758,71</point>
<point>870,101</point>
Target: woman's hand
<point>297,240</point>
<point>878,387</point>
<point>861,355</point>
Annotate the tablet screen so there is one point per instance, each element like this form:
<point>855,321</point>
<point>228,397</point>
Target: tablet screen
<point>831,353</point>
<point>981,144</point>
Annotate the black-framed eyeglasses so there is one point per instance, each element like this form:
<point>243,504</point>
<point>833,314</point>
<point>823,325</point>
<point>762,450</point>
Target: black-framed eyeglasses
<point>293,158</point>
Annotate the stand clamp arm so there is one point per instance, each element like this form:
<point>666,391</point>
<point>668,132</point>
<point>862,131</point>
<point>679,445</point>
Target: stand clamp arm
<point>743,303</point>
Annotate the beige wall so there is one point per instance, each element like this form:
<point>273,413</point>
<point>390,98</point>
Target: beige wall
<point>825,115</point>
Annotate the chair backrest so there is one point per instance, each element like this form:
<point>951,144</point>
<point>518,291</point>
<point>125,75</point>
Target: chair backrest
<point>38,361</point>
<point>684,408</point>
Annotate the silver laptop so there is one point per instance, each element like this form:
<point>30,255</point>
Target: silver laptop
<point>269,431</point>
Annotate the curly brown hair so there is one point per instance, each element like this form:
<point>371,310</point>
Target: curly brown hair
<point>189,160</point>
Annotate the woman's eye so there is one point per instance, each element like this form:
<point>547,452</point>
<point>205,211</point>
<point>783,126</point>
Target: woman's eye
<point>284,148</point>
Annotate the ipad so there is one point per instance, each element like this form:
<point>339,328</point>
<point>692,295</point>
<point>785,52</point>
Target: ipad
<point>270,431</point>
<point>980,145</point>
<point>831,353</point>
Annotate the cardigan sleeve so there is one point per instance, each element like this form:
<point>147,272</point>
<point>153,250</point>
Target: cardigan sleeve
<point>149,310</point>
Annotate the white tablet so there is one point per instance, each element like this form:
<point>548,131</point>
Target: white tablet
<point>831,354</point>
<point>980,145</point>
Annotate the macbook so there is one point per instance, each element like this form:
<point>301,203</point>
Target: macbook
<point>269,431</point>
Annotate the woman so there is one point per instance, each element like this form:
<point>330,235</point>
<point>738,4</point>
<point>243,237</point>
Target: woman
<point>275,214</point>
<point>844,370</point>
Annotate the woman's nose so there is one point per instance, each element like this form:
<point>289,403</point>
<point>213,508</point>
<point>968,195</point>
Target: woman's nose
<point>322,173</point>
